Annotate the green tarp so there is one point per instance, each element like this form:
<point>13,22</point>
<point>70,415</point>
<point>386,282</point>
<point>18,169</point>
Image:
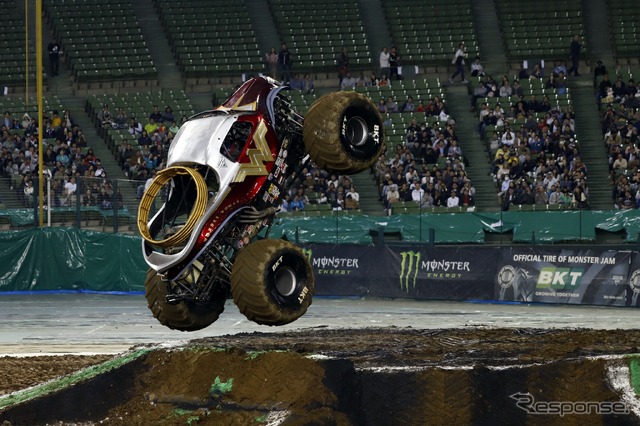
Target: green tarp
<point>70,259</point>
<point>462,228</point>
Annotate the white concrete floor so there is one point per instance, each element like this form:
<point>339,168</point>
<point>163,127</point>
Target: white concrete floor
<point>89,323</point>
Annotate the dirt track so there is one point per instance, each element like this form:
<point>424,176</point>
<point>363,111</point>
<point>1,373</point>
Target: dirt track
<point>257,377</point>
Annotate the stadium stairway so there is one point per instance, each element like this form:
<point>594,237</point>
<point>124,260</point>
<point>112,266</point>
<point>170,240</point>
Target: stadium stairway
<point>591,146</point>
<point>263,25</point>
<point>473,148</point>
<point>596,18</point>
<point>369,197</point>
<point>489,37</point>
<point>376,29</point>
<point>169,75</point>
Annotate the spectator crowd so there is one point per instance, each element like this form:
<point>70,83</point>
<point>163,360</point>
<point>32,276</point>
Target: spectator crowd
<point>620,106</point>
<point>76,174</point>
<point>535,155</point>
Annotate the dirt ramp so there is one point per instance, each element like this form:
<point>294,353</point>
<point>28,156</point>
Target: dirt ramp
<point>372,377</point>
<point>205,386</point>
<point>238,387</point>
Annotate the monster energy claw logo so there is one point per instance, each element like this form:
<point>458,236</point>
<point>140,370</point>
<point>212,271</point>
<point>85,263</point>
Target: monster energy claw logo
<point>409,267</point>
<point>308,254</point>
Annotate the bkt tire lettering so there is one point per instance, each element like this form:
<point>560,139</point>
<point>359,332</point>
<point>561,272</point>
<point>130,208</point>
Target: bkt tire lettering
<point>278,262</point>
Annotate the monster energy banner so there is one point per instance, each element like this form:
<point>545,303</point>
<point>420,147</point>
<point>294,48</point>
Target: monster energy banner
<point>409,271</point>
<point>341,270</point>
<point>437,273</point>
<point>565,276</point>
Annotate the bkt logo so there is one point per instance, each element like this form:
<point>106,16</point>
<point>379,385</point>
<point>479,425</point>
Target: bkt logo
<point>559,278</point>
<point>409,266</point>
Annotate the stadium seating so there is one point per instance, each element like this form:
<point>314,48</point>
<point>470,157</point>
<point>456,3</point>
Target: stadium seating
<point>315,36</point>
<point>12,50</point>
<point>429,34</point>
<point>209,40</point>
<point>625,30</point>
<point>539,30</point>
<point>138,105</point>
<point>102,43</point>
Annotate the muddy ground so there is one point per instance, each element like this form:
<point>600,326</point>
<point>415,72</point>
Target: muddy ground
<point>356,377</point>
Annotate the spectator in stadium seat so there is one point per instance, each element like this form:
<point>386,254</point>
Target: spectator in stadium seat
<point>167,116</point>
<point>151,126</point>
<point>477,70</point>
<point>537,72</point>
<point>384,62</point>
<point>121,119</point>
<point>479,92</point>
<point>604,85</point>
<point>382,106</point>
<point>307,84</point>
<point>296,204</point>
<point>551,82</point>
<point>104,116</point>
<point>393,196</point>
<point>559,68</point>
<point>574,54</point>
<point>405,192</point>
<point>453,200</point>
<point>348,82</point>
<point>285,63</point>
<point>392,106</point>
<point>408,105</point>
<point>541,197</point>
<point>144,139</point>
<point>373,80</point>
<point>155,115</point>
<point>562,83</point>
<point>134,127</point>
<point>579,198</point>
<point>598,71</point>
<point>8,121</point>
<point>62,157</point>
<point>506,89</point>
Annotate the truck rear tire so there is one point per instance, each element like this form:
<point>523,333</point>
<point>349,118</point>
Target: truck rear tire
<point>182,316</point>
<point>343,132</point>
<point>272,282</point>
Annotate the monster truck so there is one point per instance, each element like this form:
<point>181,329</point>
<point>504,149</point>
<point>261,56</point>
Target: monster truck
<point>205,218</point>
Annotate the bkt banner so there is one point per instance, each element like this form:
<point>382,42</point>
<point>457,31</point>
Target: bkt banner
<point>564,276</point>
<point>517,274</point>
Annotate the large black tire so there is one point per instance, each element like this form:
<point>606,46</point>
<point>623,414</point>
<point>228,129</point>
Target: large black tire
<point>343,132</point>
<point>272,282</point>
<point>183,316</point>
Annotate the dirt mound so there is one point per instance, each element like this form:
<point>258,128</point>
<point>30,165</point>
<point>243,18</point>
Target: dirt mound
<point>348,377</point>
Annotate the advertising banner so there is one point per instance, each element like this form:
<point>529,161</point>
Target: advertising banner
<point>407,271</point>
<point>563,276</point>
<point>341,270</point>
<point>444,273</point>
<point>633,282</point>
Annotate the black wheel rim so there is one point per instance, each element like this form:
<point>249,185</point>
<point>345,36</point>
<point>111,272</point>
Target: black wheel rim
<point>286,277</point>
<point>361,132</point>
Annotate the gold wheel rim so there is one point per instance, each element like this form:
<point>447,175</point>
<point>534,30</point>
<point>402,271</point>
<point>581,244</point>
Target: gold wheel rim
<point>199,207</point>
